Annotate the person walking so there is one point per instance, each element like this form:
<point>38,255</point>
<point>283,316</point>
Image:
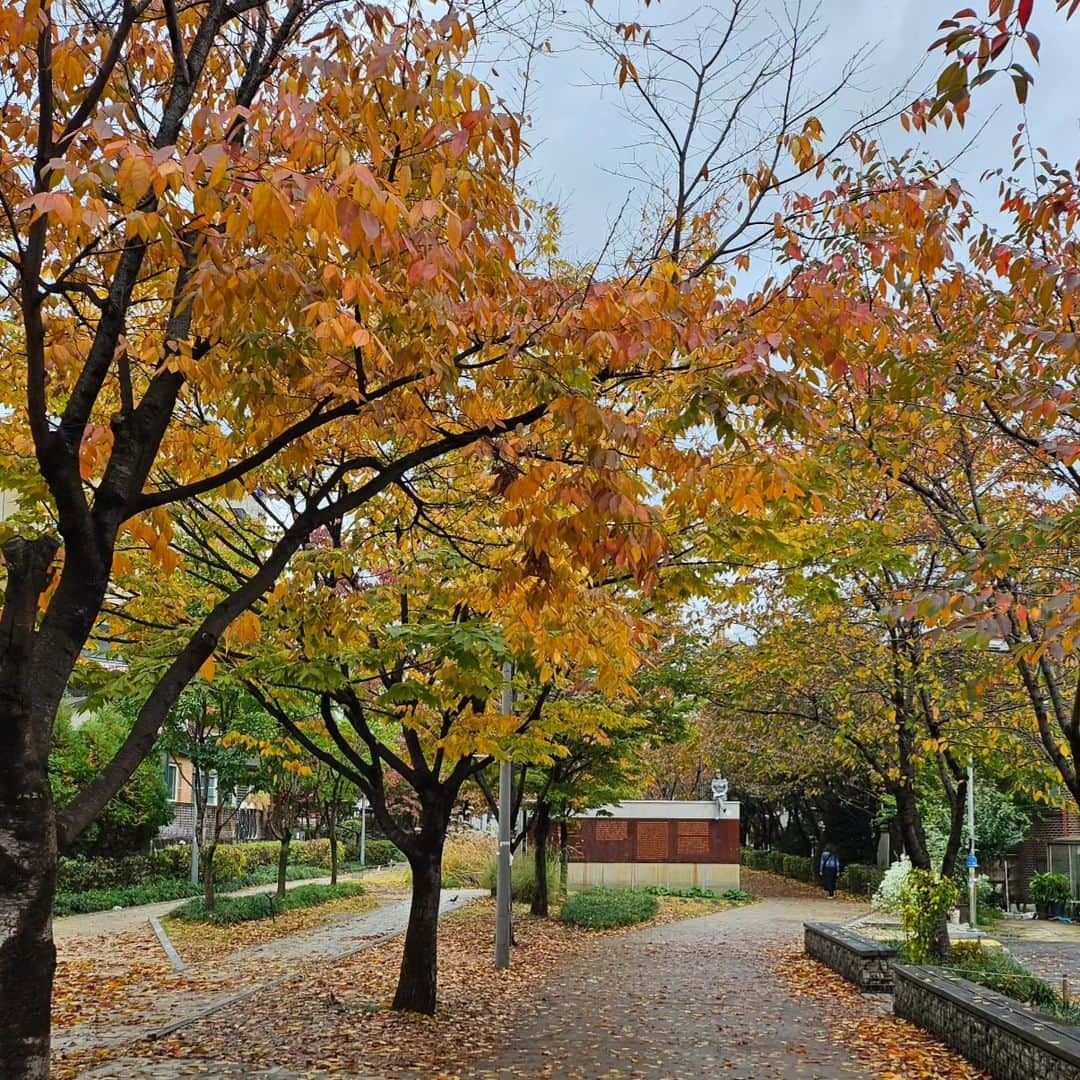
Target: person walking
<point>829,869</point>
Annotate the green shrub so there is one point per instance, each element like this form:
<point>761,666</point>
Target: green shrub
<point>693,893</point>
<point>89,900</point>
<point>738,896</point>
<point>522,878</point>
<point>267,875</point>
<point>81,874</point>
<point>799,867</point>
<point>1049,888</point>
<point>860,879</point>
<point>236,909</point>
<point>382,853</point>
<point>997,970</point>
<point>774,862</point>
<point>602,909</point>
<point>925,900</point>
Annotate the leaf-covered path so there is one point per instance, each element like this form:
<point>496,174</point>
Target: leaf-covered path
<point>724,995</point>
<point>687,999</point>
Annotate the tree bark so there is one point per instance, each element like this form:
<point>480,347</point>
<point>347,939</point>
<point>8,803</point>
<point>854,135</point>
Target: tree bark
<point>27,824</point>
<point>283,861</point>
<point>331,823</point>
<point>417,987</point>
<point>209,895</point>
<point>541,829</point>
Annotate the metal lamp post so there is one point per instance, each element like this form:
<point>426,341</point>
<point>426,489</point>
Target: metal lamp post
<point>362,806</point>
<point>972,859</point>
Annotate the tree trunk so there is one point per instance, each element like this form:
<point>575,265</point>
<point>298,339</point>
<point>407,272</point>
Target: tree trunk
<point>331,828</point>
<point>283,861</point>
<point>541,829</point>
<point>418,980</point>
<point>27,821</point>
<point>27,886</point>
<point>209,896</point>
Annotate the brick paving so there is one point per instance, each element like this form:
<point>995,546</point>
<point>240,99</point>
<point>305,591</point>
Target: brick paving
<point>686,1000</point>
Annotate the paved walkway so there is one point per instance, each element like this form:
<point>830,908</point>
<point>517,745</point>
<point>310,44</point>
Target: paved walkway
<point>687,1000</point>
<point>263,966</point>
<point>97,923</point>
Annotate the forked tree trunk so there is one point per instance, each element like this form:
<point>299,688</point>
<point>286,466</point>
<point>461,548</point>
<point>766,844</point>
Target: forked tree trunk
<point>417,987</point>
<point>283,862</point>
<point>541,831</point>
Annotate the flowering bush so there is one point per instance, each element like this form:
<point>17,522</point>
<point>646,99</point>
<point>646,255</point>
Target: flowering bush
<point>889,893</point>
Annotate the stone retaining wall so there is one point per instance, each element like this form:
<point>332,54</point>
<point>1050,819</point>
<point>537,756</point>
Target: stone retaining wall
<point>862,961</point>
<point>992,1031</point>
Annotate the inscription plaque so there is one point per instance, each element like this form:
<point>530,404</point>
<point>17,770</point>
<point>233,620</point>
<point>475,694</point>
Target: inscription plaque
<point>693,840</point>
<point>652,840</point>
<point>612,830</point>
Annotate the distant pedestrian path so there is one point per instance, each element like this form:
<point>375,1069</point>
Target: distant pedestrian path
<point>689,999</point>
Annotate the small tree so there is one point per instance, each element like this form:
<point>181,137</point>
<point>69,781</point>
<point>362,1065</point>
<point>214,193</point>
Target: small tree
<point>132,818</point>
<point>198,729</point>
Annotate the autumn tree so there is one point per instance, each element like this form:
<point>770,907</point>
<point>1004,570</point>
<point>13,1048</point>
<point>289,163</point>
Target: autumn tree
<point>277,251</point>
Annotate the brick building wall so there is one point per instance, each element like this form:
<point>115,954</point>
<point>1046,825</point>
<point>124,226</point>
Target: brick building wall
<point>1053,825</point>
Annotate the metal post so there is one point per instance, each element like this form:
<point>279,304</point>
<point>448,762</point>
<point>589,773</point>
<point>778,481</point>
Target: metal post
<point>363,831</point>
<point>502,888</point>
<point>972,863</point>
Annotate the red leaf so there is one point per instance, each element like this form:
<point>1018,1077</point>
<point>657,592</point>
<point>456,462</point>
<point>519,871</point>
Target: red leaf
<point>1023,11</point>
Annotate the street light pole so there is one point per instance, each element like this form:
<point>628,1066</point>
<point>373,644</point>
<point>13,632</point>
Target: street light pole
<point>502,886</point>
<point>972,860</point>
<point>363,830</point>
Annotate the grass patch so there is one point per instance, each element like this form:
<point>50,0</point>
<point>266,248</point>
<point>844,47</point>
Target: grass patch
<point>603,909</point>
<point>237,909</point>
<point>996,970</point>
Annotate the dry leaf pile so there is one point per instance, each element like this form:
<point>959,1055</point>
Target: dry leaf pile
<point>893,1048</point>
<point>197,942</point>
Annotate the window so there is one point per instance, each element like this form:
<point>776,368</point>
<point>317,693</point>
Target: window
<point>211,788</point>
<point>172,781</point>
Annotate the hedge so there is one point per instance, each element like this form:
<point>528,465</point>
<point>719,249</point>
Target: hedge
<point>382,853</point>
<point>232,862</point>
<point>155,892</point>
<point>855,878</point>
<point>89,900</point>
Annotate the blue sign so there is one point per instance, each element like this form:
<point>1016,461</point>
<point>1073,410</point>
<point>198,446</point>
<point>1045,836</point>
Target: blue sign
<point>972,861</point>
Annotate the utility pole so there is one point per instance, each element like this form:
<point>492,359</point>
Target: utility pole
<point>502,887</point>
<point>972,859</point>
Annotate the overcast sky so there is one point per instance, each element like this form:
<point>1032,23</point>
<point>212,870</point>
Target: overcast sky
<point>581,132</point>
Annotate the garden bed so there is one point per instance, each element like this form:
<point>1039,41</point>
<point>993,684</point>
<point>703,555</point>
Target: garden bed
<point>1007,1039</point>
<point>862,961</point>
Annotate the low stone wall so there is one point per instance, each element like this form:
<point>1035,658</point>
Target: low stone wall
<point>862,961</point>
<point>992,1031</point>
